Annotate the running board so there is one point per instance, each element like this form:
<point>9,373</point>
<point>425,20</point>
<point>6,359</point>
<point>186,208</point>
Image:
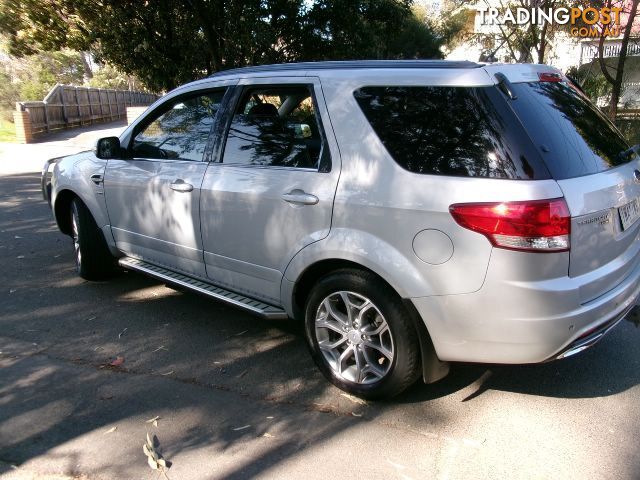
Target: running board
<point>254,306</point>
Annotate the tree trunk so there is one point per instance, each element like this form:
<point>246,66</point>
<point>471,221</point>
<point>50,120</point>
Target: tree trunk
<point>88,73</point>
<point>616,82</point>
<point>212,37</point>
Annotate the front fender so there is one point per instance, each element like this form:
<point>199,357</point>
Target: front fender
<point>72,175</point>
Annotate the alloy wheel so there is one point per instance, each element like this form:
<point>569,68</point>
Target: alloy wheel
<point>354,338</point>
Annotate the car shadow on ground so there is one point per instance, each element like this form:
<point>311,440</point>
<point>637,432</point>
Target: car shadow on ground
<point>175,345</point>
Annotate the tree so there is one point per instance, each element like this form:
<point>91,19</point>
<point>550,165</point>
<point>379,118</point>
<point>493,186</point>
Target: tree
<point>614,73</point>
<point>166,43</point>
<point>107,76</point>
<point>33,76</point>
<point>526,43</point>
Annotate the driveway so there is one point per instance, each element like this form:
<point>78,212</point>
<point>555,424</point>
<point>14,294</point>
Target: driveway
<point>234,396</point>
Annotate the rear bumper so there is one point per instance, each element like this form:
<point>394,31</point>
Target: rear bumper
<point>591,337</point>
<point>518,322</point>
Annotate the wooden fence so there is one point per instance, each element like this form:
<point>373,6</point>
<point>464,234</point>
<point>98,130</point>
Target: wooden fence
<point>67,106</point>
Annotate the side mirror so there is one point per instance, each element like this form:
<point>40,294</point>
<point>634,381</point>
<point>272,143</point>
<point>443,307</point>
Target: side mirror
<point>108,147</point>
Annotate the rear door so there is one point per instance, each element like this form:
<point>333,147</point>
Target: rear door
<point>271,191</point>
<point>598,174</point>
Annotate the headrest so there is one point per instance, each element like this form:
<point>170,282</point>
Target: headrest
<point>264,109</point>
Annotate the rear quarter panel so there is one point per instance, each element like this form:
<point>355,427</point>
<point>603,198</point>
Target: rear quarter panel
<point>380,207</point>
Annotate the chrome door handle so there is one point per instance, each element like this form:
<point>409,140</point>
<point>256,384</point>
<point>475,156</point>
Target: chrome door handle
<point>180,186</point>
<point>97,178</point>
<point>300,197</point>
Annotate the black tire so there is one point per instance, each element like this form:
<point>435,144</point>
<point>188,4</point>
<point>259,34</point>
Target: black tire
<point>92,257</point>
<point>404,368</point>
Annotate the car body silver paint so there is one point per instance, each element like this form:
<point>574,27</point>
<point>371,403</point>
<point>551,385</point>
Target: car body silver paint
<point>483,304</point>
<point>244,201</point>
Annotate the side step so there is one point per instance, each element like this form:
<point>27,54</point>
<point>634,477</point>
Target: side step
<point>254,306</point>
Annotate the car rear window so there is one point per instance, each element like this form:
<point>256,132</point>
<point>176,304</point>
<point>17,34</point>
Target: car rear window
<point>453,131</point>
<point>572,135</point>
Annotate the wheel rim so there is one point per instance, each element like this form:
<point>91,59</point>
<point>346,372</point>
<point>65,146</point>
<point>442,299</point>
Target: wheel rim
<point>76,238</point>
<point>354,338</point>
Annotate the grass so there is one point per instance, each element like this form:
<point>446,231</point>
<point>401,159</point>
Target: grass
<point>7,131</point>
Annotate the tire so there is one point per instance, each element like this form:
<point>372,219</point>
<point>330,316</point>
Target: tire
<point>92,257</point>
<point>372,353</point>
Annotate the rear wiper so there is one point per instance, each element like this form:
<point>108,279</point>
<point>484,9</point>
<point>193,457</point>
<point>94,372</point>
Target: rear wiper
<point>626,155</point>
<point>505,85</point>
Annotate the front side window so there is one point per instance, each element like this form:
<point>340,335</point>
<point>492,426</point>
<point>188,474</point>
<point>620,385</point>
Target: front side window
<point>275,126</point>
<point>453,131</point>
<point>181,132</point>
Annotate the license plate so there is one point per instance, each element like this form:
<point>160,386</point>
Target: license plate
<point>629,213</point>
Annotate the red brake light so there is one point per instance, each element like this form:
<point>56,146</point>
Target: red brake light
<point>535,226</point>
<point>549,77</point>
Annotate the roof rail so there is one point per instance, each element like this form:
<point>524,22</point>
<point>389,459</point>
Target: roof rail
<point>350,65</point>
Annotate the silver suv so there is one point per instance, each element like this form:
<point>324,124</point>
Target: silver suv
<point>411,213</point>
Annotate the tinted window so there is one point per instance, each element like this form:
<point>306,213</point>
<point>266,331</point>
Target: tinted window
<point>575,138</point>
<point>457,131</point>
<point>275,126</point>
<point>182,131</point>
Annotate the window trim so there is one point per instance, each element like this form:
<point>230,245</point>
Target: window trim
<point>167,105</point>
<point>239,92</point>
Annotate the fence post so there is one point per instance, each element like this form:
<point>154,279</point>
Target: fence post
<point>90,106</point>
<point>22,122</point>
<point>63,95</point>
<point>46,117</point>
<point>75,95</point>
<point>100,101</point>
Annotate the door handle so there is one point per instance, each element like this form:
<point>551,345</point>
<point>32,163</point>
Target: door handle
<point>299,197</point>
<point>180,186</point>
<point>97,178</point>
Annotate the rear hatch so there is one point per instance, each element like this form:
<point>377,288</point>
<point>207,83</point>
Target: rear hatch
<point>598,173</point>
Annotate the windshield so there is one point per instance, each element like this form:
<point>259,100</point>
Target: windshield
<point>574,137</point>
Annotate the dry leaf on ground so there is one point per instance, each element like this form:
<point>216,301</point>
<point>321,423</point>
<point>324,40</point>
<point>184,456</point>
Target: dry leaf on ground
<point>117,362</point>
<point>154,459</point>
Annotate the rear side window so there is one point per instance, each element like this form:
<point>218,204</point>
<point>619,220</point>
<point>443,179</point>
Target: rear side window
<point>454,131</point>
<point>276,127</point>
<point>573,136</point>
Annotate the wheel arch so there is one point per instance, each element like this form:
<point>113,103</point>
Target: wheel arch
<point>62,209</point>
<point>432,368</point>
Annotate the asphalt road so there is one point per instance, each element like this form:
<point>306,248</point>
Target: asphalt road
<point>239,397</point>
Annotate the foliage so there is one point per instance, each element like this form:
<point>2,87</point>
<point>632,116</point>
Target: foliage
<point>166,43</point>
<point>40,73</point>
<point>107,76</point>
<point>510,42</point>
<point>9,93</point>
<point>7,131</point>
<point>592,82</point>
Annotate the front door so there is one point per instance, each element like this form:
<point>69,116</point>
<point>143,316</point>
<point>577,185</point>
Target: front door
<point>271,192</point>
<point>153,195</point>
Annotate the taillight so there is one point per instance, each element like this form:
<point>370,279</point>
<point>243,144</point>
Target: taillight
<point>549,77</point>
<point>535,226</point>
